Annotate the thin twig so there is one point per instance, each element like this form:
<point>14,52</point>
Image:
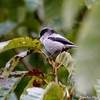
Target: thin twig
<point>52,63</point>
<point>68,95</point>
<point>55,70</point>
<point>45,81</point>
<point>49,73</point>
<point>49,61</point>
<point>43,53</point>
<point>55,74</point>
<point>59,65</point>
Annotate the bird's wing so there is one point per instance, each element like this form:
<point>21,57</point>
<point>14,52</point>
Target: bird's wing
<point>61,40</point>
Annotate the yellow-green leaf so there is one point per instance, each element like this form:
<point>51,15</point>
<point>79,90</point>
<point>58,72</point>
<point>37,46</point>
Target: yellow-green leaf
<point>22,42</point>
<point>53,92</point>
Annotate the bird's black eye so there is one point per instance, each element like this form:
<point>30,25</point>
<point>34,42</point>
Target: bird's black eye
<point>43,32</point>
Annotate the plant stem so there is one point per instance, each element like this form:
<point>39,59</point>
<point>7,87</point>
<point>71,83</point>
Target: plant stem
<point>68,95</point>
<point>55,74</point>
<point>52,63</point>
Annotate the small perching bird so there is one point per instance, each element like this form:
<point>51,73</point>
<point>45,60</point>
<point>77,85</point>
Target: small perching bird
<point>53,42</point>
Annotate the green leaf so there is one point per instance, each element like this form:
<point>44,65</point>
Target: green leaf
<point>63,75</point>
<point>25,42</point>
<point>34,82</point>
<point>87,55</point>
<point>33,94</point>
<point>65,59</point>
<point>11,64</point>
<point>33,90</point>
<point>37,82</point>
<point>7,87</point>
<point>18,73</point>
<point>6,27</point>
<point>53,92</point>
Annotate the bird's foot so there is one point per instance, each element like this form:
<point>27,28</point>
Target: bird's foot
<point>49,58</point>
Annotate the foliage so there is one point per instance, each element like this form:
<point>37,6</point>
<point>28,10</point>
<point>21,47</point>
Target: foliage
<point>61,78</point>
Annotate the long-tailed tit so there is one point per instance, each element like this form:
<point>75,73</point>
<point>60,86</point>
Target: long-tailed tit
<point>53,42</point>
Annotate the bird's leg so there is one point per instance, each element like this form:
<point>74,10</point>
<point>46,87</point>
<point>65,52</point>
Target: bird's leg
<point>50,59</point>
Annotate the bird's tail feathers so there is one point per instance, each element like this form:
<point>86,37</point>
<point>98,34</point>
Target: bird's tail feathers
<point>72,46</point>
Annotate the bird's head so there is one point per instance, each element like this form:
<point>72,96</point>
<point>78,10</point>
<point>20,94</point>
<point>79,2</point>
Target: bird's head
<point>46,31</point>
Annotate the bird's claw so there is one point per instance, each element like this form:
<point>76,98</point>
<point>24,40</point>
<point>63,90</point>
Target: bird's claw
<point>49,58</point>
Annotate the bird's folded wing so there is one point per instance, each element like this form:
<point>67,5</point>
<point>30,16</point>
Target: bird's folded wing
<point>61,40</point>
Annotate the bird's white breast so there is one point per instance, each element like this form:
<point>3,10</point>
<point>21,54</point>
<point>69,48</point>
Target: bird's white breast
<point>52,46</point>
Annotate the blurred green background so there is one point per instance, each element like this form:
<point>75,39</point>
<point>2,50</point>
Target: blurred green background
<point>21,18</point>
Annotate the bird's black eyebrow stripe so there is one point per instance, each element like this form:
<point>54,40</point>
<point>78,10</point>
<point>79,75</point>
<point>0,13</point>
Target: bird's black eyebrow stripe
<point>43,31</point>
<point>53,31</point>
<point>61,40</point>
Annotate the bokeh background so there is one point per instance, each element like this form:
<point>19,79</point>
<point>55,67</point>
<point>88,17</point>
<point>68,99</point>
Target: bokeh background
<point>70,18</point>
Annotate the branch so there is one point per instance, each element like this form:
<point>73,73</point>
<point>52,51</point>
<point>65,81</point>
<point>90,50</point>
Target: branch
<point>53,64</point>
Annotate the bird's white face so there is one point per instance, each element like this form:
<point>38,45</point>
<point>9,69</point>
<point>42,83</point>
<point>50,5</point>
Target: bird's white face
<point>43,37</point>
<point>45,33</point>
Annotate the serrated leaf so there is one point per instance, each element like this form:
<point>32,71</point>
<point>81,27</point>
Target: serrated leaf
<point>22,42</point>
<point>7,87</point>
<point>53,92</point>
<point>87,55</point>
<point>65,59</point>
<point>6,27</point>
<point>33,94</point>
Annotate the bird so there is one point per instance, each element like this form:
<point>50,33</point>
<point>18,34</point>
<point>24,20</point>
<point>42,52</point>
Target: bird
<point>54,42</point>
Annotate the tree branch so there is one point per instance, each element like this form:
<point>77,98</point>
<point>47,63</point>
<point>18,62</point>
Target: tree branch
<point>53,64</point>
